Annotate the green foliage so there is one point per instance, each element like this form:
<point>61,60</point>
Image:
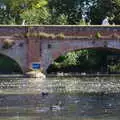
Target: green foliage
<point>88,58</point>
<point>70,59</point>
<point>61,20</point>
<point>67,60</point>
<point>36,16</point>
<point>102,8</point>
<point>82,22</point>
<point>72,9</point>
<point>81,61</point>
<point>32,11</point>
<point>97,35</point>
<point>60,12</point>
<point>114,68</point>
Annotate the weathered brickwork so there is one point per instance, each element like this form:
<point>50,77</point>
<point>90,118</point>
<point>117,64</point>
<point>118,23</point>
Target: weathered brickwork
<point>46,50</point>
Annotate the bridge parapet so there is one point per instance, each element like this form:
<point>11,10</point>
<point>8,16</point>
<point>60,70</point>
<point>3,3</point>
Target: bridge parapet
<point>69,31</point>
<point>80,32</point>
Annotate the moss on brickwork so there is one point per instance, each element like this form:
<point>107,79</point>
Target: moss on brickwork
<point>97,35</point>
<point>60,36</point>
<point>43,35</point>
<point>8,44</point>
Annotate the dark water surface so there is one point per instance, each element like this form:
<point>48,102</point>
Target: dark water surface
<point>60,98</point>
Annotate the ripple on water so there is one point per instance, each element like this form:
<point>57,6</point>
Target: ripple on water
<point>26,94</point>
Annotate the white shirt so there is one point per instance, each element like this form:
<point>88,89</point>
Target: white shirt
<point>105,22</point>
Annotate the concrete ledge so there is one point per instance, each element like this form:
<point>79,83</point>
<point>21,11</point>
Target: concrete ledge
<point>35,74</point>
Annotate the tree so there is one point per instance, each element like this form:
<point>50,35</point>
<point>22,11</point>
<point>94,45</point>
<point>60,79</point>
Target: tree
<point>19,10</point>
<point>36,16</point>
<point>102,8</point>
<point>38,13</point>
<point>72,9</point>
<point>58,11</point>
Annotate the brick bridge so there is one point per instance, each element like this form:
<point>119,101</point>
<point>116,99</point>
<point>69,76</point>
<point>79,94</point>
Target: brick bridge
<point>44,44</point>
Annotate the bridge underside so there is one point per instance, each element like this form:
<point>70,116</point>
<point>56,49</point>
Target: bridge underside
<point>51,49</point>
<point>9,66</point>
<point>14,52</point>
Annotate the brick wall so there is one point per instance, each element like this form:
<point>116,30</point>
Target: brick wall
<point>46,51</point>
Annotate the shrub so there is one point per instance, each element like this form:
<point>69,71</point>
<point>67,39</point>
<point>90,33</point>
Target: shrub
<point>8,44</point>
<point>114,68</point>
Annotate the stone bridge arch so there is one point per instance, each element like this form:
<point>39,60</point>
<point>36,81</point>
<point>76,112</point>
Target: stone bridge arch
<point>52,49</point>
<point>16,53</point>
<point>16,68</point>
<point>42,44</point>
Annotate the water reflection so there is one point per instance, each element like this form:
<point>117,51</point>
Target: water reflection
<point>60,99</point>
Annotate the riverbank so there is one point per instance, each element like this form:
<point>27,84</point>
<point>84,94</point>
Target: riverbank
<point>56,75</point>
<point>12,76</point>
<point>81,75</point>
<point>27,75</point>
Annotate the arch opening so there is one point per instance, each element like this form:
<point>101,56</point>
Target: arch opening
<point>9,66</point>
<point>91,61</point>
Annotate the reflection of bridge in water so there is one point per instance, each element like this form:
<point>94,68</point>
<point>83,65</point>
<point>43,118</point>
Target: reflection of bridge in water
<point>43,44</point>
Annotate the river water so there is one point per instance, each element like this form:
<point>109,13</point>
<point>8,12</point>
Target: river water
<point>60,98</point>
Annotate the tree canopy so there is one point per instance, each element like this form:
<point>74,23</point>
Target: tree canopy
<point>58,11</point>
<point>102,8</point>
